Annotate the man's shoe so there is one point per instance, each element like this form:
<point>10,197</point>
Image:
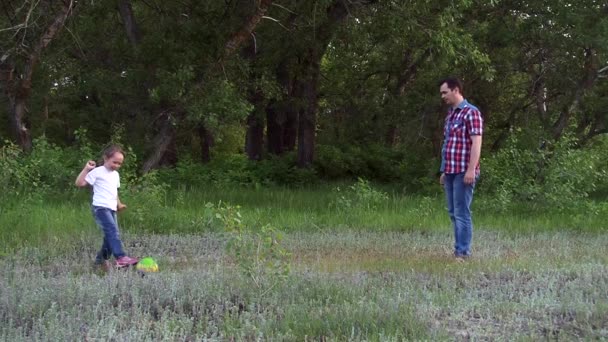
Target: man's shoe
<point>125,261</point>
<point>461,257</point>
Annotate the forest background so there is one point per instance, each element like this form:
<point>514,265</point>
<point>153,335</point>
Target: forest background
<point>282,169</point>
<point>298,93</point>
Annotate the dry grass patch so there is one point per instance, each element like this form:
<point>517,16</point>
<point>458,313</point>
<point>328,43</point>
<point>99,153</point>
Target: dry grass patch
<point>356,286</point>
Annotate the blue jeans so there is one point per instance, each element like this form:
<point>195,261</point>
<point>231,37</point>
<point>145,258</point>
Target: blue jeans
<point>107,222</point>
<point>459,198</point>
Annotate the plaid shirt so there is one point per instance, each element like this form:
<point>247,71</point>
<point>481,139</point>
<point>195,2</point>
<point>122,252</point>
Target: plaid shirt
<point>460,124</point>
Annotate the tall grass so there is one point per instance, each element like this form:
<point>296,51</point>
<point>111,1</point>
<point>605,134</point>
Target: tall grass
<point>316,209</point>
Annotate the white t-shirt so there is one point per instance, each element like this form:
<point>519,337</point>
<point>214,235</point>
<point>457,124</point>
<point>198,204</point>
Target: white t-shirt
<point>105,184</point>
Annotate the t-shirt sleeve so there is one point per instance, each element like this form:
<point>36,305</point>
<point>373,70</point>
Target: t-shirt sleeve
<point>475,122</point>
<point>91,176</point>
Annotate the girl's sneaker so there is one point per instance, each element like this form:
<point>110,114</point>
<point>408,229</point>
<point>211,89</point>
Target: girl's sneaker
<point>125,261</point>
<point>105,265</point>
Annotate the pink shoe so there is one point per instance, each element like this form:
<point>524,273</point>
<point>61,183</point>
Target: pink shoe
<point>125,261</point>
<point>105,266</point>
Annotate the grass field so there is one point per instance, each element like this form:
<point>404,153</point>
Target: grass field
<point>355,274</point>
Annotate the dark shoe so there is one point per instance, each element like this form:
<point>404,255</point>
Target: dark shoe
<point>461,257</point>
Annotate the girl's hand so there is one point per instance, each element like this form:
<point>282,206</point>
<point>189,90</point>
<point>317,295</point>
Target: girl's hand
<point>90,165</point>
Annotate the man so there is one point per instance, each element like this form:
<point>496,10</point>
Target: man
<point>460,161</point>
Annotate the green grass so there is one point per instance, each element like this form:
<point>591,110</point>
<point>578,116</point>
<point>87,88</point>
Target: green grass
<point>356,275</point>
<point>36,221</point>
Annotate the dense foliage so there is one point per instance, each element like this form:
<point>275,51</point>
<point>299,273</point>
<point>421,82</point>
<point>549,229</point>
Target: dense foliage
<point>296,92</point>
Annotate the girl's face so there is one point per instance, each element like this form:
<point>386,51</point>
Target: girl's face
<point>114,162</point>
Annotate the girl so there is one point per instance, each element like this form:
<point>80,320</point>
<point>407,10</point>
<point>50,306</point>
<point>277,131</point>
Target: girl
<point>105,181</point>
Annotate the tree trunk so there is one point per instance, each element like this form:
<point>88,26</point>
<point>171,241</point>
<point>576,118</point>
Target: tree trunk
<point>587,82</point>
<point>308,111</point>
<point>290,129</point>
<point>308,83</point>
<point>245,32</point>
<point>128,19</point>
<point>206,141</point>
<point>591,125</point>
<point>18,121</point>
<point>391,135</point>
<point>281,127</point>
<point>19,82</point>
<point>539,89</point>
<point>163,140</point>
<point>281,115</point>
<point>254,137</point>
<point>407,72</point>
<point>274,130</point>
<point>254,140</point>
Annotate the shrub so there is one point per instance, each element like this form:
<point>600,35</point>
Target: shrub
<point>360,195</point>
<point>48,168</point>
<point>150,193</point>
<point>558,175</point>
<point>257,251</point>
<point>282,170</point>
<point>333,163</point>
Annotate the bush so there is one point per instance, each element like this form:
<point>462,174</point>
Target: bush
<point>237,170</point>
<point>372,162</point>
<point>282,170</point>
<point>559,175</point>
<point>47,169</point>
<point>258,251</point>
<point>360,196</point>
<point>51,169</point>
<point>223,170</point>
<point>151,194</point>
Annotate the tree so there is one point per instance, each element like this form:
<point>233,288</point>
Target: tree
<point>551,58</point>
<point>295,56</point>
<point>29,27</point>
<point>381,73</point>
<point>230,46</point>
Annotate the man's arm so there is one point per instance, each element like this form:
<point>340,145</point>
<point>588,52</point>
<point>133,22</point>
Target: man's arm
<point>469,177</point>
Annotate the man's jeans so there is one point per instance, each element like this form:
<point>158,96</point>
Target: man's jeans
<point>107,222</point>
<point>459,198</point>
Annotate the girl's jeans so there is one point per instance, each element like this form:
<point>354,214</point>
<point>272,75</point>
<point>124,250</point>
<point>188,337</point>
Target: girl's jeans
<point>459,198</point>
<point>107,222</point>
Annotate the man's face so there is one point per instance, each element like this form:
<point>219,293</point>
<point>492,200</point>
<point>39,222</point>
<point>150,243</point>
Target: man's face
<point>449,96</point>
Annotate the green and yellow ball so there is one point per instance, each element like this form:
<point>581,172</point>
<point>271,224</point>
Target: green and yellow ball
<point>147,265</point>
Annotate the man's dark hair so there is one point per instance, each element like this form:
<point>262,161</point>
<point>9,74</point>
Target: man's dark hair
<point>452,83</point>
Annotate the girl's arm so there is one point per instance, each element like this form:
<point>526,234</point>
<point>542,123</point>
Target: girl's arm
<point>80,182</point>
<point>121,205</point>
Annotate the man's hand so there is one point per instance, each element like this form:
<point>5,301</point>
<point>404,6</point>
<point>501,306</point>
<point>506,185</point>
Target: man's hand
<point>121,207</point>
<point>469,177</point>
<point>442,178</point>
